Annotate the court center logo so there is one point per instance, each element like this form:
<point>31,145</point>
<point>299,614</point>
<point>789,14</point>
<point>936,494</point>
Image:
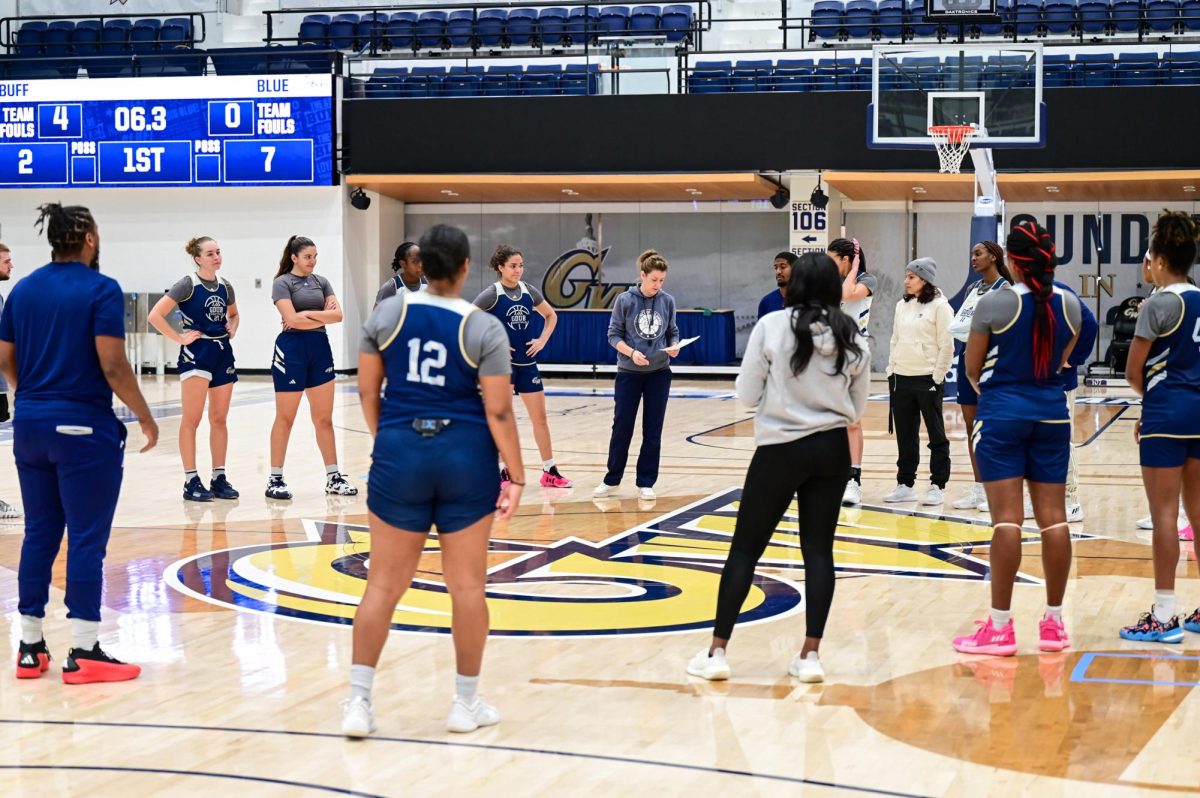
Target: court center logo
<point>657,578</point>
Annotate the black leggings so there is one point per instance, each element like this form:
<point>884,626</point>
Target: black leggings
<point>813,469</point>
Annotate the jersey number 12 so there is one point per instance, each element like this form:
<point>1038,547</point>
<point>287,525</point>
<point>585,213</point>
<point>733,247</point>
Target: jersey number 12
<point>419,368</point>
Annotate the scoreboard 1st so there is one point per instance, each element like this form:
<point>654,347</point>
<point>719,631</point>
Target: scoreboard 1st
<point>184,131</point>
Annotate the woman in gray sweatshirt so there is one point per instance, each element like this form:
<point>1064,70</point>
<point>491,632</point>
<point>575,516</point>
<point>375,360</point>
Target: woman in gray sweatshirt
<point>807,372</point>
<point>643,332</point>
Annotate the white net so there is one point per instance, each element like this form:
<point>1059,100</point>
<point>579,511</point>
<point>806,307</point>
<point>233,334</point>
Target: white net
<point>952,143</point>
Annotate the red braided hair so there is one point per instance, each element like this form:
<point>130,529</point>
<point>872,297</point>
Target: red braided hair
<point>1031,252</point>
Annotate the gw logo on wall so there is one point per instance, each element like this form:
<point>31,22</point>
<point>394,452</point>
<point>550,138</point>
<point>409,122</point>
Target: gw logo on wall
<point>573,280</point>
<point>654,579</point>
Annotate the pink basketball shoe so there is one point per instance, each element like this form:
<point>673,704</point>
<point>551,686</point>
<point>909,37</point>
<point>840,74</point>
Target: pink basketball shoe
<point>988,640</point>
<point>1052,635</point>
<point>553,479</point>
<point>1186,533</point>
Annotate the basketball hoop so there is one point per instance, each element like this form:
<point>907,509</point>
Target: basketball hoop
<point>951,143</point>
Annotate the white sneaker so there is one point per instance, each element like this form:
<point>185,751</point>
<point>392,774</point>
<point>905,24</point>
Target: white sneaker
<point>1148,522</point>
<point>852,494</point>
<point>933,496</point>
<point>713,668</point>
<point>983,506</point>
<point>646,494</point>
<point>1028,509</point>
<point>466,717</point>
<point>603,490</point>
<point>357,718</point>
<point>807,669</point>
<point>971,501</point>
<point>1074,512</point>
<point>9,511</point>
<point>902,493</point>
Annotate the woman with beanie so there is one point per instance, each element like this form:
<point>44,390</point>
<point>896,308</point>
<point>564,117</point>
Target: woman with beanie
<point>917,365</point>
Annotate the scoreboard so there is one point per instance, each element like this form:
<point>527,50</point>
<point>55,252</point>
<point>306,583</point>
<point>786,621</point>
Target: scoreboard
<point>181,131</point>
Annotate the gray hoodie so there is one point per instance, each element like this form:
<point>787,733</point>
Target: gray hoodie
<point>796,406</point>
<point>646,323</point>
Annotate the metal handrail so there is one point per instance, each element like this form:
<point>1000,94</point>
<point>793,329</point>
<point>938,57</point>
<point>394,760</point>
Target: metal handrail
<point>8,32</point>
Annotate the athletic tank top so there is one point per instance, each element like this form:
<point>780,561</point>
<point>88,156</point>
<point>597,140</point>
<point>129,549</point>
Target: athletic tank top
<point>400,286</point>
<point>517,317</point>
<point>860,309</point>
<point>205,310</point>
<point>1172,373</point>
<point>428,373</point>
<point>960,328</point>
<point>1008,387</point>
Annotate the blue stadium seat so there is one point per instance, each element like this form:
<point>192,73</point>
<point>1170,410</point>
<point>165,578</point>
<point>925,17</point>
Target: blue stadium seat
<point>56,40</point>
<point>860,18</point>
<point>85,39</point>
<point>490,26</point>
<point>1057,71</point>
<point>185,23</point>
<point>502,81</point>
<point>1182,68</point>
<point>749,76</point>
<point>385,86</point>
<point>1028,15</point>
<point>1058,16</point>
<point>890,18</point>
<point>30,37</point>
<point>460,28</point>
<point>341,31</point>
<point>552,26</point>
<point>793,75</point>
<point>424,82</point>
<point>643,20</point>
<point>143,38</point>
<point>400,28</point>
<point>580,79</point>
<point>1094,69</point>
<point>828,17</point>
<point>1162,15</point>
<point>1094,15</point>
<point>614,20</point>
<point>1189,13</point>
<point>314,29</point>
<point>925,70</point>
<point>1138,69</point>
<point>540,79</point>
<point>371,29</point>
<point>1125,15</point>
<point>171,37</point>
<point>462,84</point>
<point>916,19</point>
<point>1004,10</point>
<point>676,22</point>
<point>431,29</point>
<point>582,23</point>
<point>522,22</point>
<point>709,77</point>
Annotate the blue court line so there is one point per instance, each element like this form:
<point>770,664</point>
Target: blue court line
<point>1079,673</point>
<point>167,772</point>
<point>515,749</point>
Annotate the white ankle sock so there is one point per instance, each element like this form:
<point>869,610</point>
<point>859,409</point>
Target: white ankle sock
<point>277,472</point>
<point>1164,605</point>
<point>362,679</point>
<point>31,630</point>
<point>1055,612</point>
<point>548,464</point>
<point>218,472</point>
<point>188,475</point>
<point>84,633</point>
<point>1000,618</point>
<point>466,687</point>
<point>331,469</point>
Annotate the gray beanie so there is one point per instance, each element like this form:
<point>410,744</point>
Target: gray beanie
<point>924,268</point>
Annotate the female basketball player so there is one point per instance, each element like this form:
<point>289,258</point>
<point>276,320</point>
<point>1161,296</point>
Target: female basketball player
<point>643,332</point>
<point>303,362</point>
<point>513,303</point>
<point>1020,339</point>
<point>1164,367</point>
<point>208,307</point>
<point>406,264</point>
<point>437,354</point>
<point>807,371</point>
<point>987,260</point>
<point>858,288</point>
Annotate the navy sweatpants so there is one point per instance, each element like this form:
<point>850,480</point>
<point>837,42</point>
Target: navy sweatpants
<point>650,390</point>
<point>70,477</point>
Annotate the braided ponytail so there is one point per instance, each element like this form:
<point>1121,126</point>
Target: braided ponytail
<point>1031,251</point>
<point>1174,240</point>
<point>66,227</point>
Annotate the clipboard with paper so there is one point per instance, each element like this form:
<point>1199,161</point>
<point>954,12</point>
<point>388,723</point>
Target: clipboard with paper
<point>682,343</point>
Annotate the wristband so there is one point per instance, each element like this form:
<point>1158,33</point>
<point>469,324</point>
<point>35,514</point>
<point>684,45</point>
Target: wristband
<point>518,484</point>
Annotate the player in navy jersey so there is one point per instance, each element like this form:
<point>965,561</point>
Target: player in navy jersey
<point>514,303</point>
<point>406,264</point>
<point>62,347</point>
<point>208,308</point>
<point>1020,339</point>
<point>303,363</point>
<point>445,415</point>
<point>774,301</point>
<point>1164,367</point>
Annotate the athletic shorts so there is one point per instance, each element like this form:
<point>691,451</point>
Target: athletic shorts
<point>1168,452</point>
<point>966,392</point>
<point>526,379</point>
<point>1036,450</point>
<point>211,359</point>
<point>302,360</point>
<point>449,480</point>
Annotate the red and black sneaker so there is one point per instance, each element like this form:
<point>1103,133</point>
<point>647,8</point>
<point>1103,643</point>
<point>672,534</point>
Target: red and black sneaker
<point>84,666</point>
<point>33,659</point>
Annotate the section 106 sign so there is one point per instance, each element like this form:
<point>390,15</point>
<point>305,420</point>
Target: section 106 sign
<point>184,131</point>
<point>809,228</point>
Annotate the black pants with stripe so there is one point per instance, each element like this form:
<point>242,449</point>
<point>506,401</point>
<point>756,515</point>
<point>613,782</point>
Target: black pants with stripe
<point>915,399</point>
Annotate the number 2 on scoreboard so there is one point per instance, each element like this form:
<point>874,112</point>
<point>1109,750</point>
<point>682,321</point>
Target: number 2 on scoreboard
<point>269,152</point>
<point>25,162</point>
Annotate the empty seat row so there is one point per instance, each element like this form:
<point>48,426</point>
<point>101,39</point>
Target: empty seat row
<point>495,27</point>
<point>474,81</point>
<point>227,61</point>
<point>88,37</point>
<point>891,19</point>
<point>930,73</point>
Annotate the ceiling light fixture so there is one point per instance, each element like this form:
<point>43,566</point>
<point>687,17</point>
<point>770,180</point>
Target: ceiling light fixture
<point>918,189</point>
<point>1052,189</point>
<point>1189,189</point>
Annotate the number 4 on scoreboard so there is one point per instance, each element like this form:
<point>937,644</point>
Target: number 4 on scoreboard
<point>60,121</point>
